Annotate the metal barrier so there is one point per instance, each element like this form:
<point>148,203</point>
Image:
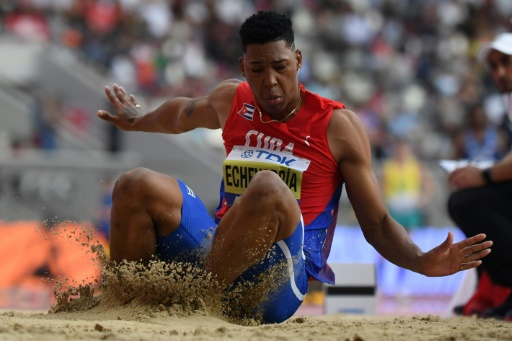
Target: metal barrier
<point>57,185</point>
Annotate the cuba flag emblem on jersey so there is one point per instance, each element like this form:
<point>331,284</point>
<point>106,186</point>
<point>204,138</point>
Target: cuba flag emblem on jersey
<point>247,111</point>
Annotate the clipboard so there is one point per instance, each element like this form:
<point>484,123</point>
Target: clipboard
<point>451,165</point>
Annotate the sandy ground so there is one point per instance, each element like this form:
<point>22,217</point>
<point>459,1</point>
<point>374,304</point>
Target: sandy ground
<point>149,323</point>
<point>173,301</point>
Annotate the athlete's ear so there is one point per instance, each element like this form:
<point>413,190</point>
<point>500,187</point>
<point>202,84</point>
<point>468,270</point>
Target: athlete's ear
<point>241,65</point>
<point>298,57</point>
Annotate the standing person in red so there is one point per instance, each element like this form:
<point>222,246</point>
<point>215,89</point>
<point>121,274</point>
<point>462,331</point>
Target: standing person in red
<point>483,199</point>
<point>288,154</point>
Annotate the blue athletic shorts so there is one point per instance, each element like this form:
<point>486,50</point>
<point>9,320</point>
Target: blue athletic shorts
<point>192,240</point>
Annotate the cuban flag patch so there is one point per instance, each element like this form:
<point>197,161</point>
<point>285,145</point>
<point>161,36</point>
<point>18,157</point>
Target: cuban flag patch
<point>247,111</point>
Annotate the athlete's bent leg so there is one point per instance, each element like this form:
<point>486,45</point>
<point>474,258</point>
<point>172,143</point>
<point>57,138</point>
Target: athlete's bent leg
<point>273,289</point>
<point>266,213</point>
<point>146,205</point>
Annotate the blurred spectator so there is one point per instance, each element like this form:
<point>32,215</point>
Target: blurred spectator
<point>102,16</point>
<point>47,110</point>
<point>479,140</point>
<point>26,22</point>
<point>407,186</point>
<point>374,125</point>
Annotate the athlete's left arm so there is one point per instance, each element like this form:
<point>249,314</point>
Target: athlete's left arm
<point>350,146</point>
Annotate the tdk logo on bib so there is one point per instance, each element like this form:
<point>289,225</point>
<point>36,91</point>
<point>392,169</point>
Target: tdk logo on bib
<point>265,155</point>
<point>247,154</point>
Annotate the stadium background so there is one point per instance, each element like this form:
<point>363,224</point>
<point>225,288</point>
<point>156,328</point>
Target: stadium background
<point>407,68</point>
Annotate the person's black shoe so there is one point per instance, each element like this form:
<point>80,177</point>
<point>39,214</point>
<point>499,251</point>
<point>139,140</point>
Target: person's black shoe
<point>458,310</point>
<point>508,316</point>
<point>501,311</point>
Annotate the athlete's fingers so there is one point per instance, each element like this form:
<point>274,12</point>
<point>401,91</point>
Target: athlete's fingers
<point>120,93</point>
<point>476,256</point>
<point>473,241</point>
<point>105,115</point>
<point>111,97</point>
<point>134,101</point>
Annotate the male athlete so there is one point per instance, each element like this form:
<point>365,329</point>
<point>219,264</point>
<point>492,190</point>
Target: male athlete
<point>288,154</point>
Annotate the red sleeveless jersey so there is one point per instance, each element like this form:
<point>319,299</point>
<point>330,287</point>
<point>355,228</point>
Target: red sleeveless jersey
<point>316,180</point>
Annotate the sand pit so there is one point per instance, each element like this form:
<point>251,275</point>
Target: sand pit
<point>149,323</point>
<point>166,302</point>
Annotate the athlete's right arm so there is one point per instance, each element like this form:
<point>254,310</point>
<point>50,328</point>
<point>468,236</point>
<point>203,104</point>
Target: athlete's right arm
<point>174,116</point>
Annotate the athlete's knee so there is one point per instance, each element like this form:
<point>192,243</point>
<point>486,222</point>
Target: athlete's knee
<point>267,187</point>
<point>130,182</point>
<point>138,183</point>
<point>268,194</point>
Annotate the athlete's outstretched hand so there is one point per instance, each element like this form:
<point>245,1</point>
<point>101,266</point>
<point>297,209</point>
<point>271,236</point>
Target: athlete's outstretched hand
<point>126,108</point>
<point>449,258</point>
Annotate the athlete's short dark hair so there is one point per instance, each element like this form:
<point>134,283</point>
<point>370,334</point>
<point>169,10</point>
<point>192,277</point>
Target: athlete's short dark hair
<point>266,27</point>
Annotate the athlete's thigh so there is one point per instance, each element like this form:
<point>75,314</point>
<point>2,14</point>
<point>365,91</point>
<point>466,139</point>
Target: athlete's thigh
<point>193,237</point>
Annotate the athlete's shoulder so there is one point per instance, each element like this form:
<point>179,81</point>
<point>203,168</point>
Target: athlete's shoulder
<point>226,87</point>
<point>222,95</point>
<point>344,119</point>
<point>347,134</point>
<point>231,81</point>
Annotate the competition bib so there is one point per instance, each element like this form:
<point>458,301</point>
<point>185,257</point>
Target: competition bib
<point>243,163</point>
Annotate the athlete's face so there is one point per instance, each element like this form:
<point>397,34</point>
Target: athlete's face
<point>271,70</point>
<point>500,65</point>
